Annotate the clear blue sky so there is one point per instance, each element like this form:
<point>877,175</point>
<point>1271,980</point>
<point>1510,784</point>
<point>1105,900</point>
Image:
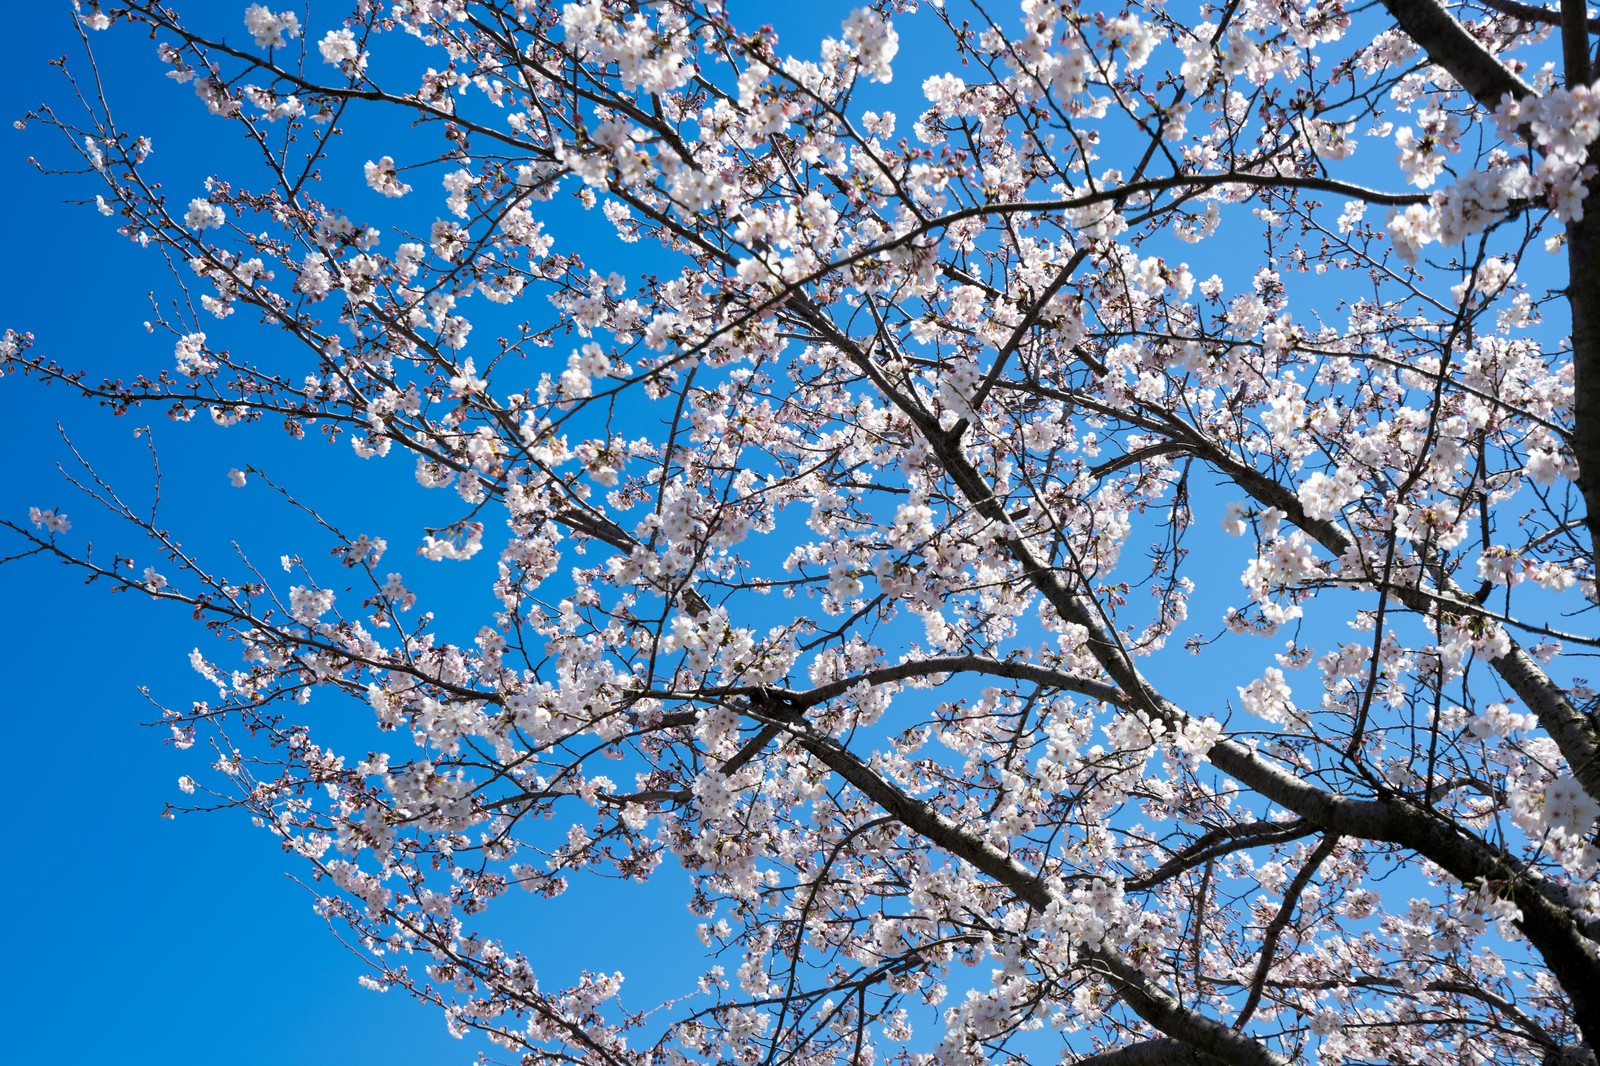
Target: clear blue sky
<point>131,939</point>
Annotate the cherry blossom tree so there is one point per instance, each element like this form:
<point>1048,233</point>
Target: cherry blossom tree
<point>861,552</point>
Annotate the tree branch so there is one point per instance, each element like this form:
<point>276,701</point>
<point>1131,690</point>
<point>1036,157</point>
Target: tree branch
<point>1150,1053</point>
<point>1543,16</point>
<point>1448,44</point>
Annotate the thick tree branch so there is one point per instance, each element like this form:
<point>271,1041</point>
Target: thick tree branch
<point>1447,44</point>
<point>1575,30</point>
<point>1151,1053</point>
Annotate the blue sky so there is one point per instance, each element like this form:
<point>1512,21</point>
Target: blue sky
<point>132,938</point>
